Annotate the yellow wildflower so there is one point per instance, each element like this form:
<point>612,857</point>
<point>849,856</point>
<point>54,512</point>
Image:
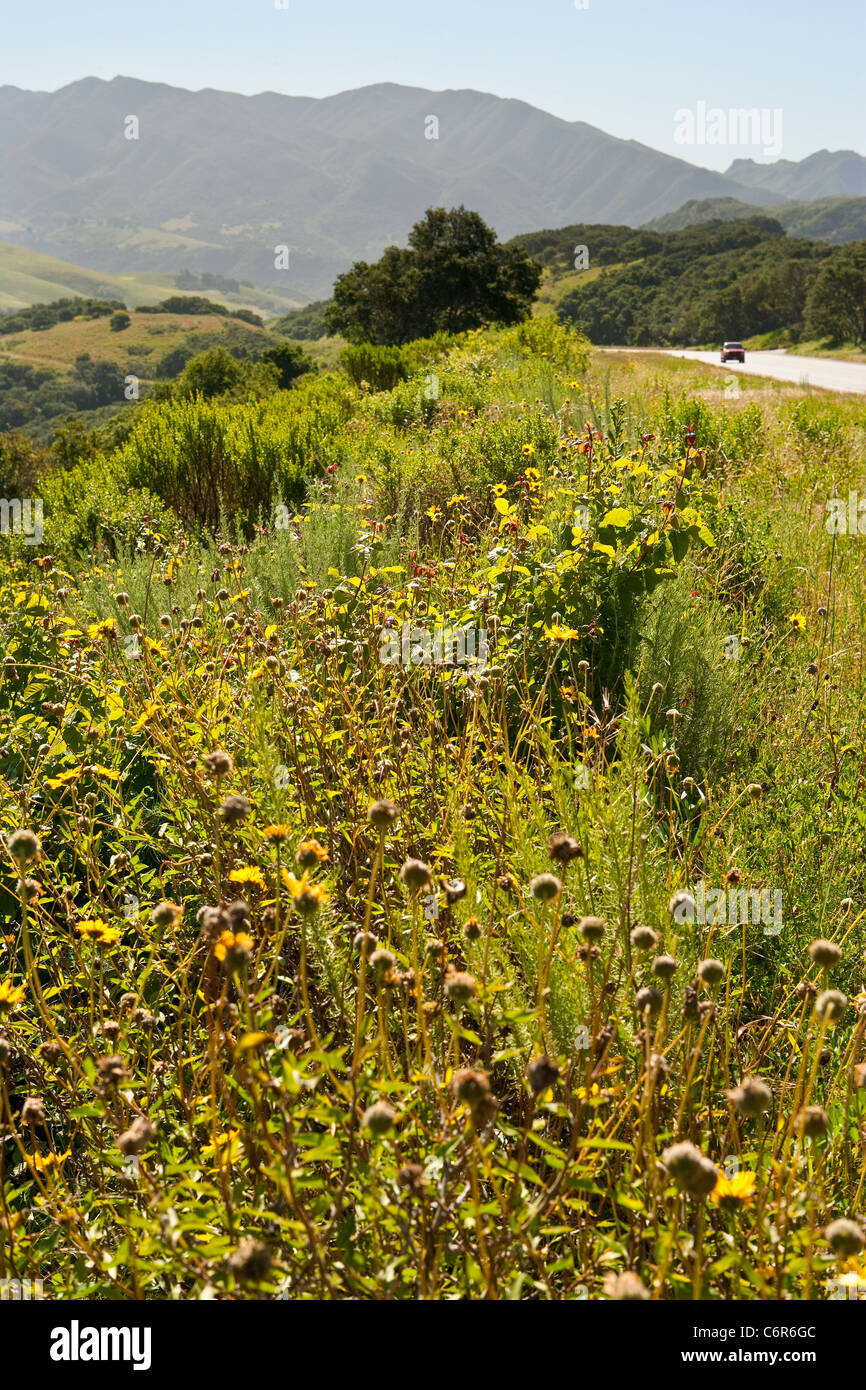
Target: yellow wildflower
<point>308,897</point>
<point>237,944</point>
<point>227,1143</point>
<point>277,834</point>
<point>251,874</point>
<point>10,995</point>
<point>733,1193</point>
<point>96,930</point>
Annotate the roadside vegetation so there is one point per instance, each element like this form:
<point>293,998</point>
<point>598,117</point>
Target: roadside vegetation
<point>368,749</point>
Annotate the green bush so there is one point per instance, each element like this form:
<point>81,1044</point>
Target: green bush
<point>208,459</point>
<point>377,368</point>
<point>91,507</point>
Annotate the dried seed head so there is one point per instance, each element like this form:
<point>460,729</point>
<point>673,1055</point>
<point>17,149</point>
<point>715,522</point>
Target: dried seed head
<point>218,763</point>
<point>212,922</point>
<point>591,928</point>
<point>690,1004</point>
<point>648,998</point>
<point>460,986</point>
<point>27,889</point>
<point>812,1122</point>
<point>234,809</point>
<point>752,1097</point>
<point>470,1086</point>
<point>563,848</point>
<point>383,814</point>
<point>831,1005</point>
<point>415,874</point>
<point>545,887</point>
<point>711,971</point>
<point>381,962</point>
<point>472,929</point>
<point>683,907</point>
<point>310,854</point>
<point>137,1137</point>
<point>825,953</point>
<point>112,1069</point>
<point>690,1169</point>
<point>165,914</point>
<point>664,966</point>
<point>455,889</point>
<point>412,1180</point>
<point>542,1073</point>
<point>364,942</point>
<point>643,938</point>
<point>33,1111</point>
<point>845,1238</point>
<point>379,1118</point>
<point>23,846</point>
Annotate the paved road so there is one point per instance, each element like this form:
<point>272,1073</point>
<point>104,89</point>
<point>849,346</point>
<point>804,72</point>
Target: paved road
<point>802,371</point>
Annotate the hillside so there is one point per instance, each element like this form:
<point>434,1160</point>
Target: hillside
<point>701,284</point>
<point>836,220</point>
<point>345,176</point>
<point>84,366</point>
<point>149,339</point>
<point>30,277</point>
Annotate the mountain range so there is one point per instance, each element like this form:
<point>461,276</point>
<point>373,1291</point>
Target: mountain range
<point>126,176</point>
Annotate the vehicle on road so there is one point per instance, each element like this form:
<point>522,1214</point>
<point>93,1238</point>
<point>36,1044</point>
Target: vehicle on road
<point>733,352</point>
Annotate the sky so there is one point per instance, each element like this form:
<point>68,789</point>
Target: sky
<point>631,67</point>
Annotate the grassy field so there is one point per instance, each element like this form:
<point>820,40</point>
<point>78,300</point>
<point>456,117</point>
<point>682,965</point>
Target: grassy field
<point>442,875</point>
<point>148,338</point>
<point>30,277</point>
<point>555,285</point>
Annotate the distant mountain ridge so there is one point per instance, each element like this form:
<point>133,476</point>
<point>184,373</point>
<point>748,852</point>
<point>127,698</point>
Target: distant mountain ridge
<point>836,220</point>
<point>216,181</point>
<point>825,174</point>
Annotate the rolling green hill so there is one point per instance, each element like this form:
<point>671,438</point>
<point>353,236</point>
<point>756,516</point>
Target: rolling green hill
<point>701,284</point>
<point>836,220</point>
<point>29,277</point>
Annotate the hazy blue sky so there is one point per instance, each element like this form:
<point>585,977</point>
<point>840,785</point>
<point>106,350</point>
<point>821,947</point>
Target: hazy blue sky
<point>624,65</point>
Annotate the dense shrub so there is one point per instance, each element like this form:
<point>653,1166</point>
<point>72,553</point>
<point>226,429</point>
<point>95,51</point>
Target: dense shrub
<point>208,459</point>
